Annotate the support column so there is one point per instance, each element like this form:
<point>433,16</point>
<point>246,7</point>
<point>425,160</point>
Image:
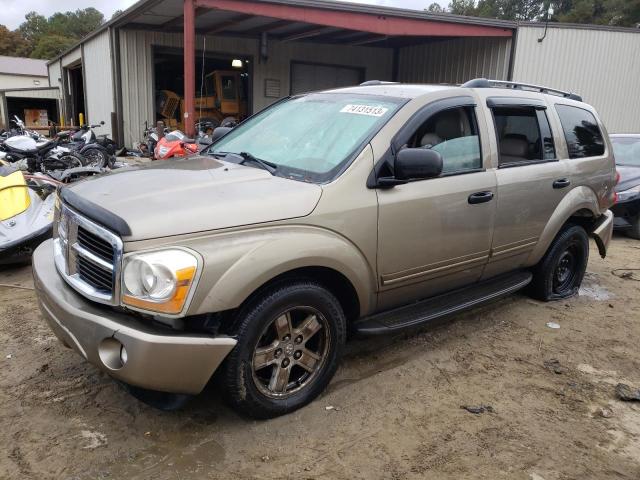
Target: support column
<point>189,67</point>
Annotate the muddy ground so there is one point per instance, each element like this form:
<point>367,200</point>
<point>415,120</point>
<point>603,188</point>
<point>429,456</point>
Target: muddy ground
<point>392,411</point>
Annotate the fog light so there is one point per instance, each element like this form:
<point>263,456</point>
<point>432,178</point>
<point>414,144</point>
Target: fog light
<point>112,354</point>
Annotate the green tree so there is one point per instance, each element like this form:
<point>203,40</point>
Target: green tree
<point>51,45</point>
<point>47,37</point>
<point>435,8</point>
<point>463,7</point>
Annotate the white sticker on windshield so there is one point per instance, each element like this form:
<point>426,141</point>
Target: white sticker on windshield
<point>370,110</point>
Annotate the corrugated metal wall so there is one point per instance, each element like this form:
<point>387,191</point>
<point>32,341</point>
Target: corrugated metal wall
<point>99,100</point>
<point>455,61</point>
<point>137,67</point>
<point>601,65</point>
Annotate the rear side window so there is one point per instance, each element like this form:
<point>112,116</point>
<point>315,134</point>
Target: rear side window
<point>584,138</point>
<point>523,135</point>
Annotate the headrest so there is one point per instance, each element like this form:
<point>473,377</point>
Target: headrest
<point>429,140</point>
<point>514,147</point>
<point>448,125</point>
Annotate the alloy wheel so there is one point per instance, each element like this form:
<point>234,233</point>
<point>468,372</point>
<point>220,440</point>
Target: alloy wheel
<point>291,352</point>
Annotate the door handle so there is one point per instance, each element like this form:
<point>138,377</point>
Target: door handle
<point>561,183</point>
<point>480,197</point>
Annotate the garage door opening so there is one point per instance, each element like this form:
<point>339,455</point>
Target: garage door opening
<point>309,77</point>
<point>75,95</point>
<point>36,113</point>
<point>222,87</point>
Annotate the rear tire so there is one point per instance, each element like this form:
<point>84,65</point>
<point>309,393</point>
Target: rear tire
<point>561,270</point>
<point>290,341</point>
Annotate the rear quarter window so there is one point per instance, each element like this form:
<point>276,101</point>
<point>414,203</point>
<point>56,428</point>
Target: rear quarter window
<point>581,131</point>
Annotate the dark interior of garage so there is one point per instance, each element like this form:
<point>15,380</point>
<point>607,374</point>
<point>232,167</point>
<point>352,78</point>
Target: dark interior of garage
<point>76,85</point>
<point>22,107</point>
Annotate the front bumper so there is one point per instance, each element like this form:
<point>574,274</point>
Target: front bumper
<point>603,232</point>
<point>152,358</point>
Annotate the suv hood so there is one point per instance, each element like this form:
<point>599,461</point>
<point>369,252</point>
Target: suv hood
<point>173,197</point>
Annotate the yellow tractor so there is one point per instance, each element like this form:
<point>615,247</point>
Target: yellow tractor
<point>224,96</point>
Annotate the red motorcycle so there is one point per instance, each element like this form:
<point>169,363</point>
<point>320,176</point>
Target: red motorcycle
<point>174,144</point>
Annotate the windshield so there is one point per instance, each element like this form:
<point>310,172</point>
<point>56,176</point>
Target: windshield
<point>626,150</point>
<point>311,137</point>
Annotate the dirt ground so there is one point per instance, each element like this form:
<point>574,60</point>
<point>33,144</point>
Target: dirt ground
<point>393,411</point>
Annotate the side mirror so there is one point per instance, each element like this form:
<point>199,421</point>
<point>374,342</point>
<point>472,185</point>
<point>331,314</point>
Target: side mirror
<point>219,132</point>
<point>417,163</point>
<point>102,122</point>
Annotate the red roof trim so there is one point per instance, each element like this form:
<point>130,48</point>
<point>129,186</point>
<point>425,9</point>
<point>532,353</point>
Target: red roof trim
<point>380,24</point>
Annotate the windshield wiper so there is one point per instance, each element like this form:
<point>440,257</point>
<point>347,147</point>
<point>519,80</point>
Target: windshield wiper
<point>268,166</point>
<point>247,157</point>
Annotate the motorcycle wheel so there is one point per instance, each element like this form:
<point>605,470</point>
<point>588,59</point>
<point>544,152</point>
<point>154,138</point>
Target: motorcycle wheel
<point>64,162</point>
<point>95,157</point>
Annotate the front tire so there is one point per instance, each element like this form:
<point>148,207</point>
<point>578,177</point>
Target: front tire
<point>290,341</point>
<point>561,270</point>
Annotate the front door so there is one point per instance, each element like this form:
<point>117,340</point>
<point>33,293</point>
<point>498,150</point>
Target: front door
<point>435,234</point>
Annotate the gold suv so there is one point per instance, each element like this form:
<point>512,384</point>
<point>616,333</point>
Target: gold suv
<point>368,209</point>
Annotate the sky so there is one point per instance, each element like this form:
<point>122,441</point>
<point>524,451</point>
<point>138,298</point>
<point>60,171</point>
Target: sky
<point>13,11</point>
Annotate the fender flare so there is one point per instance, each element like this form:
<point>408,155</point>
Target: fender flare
<point>580,199</point>
<point>279,251</point>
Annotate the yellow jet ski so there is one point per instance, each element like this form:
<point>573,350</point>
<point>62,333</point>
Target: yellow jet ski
<point>26,213</point>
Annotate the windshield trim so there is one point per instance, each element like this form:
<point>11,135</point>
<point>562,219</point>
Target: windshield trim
<point>339,169</point>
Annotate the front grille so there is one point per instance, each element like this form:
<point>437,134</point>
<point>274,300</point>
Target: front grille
<point>96,245</point>
<point>88,256</point>
<point>94,275</point>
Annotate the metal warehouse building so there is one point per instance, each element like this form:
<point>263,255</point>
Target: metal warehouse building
<point>164,52</point>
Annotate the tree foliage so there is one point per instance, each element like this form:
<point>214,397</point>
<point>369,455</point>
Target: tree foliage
<point>12,44</point>
<point>624,13</point>
<point>42,37</point>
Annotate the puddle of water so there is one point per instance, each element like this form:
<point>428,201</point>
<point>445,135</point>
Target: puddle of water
<point>592,289</point>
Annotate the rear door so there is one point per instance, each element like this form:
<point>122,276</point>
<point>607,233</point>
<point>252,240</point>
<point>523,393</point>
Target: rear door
<point>531,179</point>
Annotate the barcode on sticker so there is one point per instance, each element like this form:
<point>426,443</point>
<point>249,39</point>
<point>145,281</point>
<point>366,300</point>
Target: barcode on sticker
<point>371,110</point>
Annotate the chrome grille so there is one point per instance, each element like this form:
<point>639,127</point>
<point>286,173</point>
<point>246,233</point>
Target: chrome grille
<point>88,256</point>
<point>98,246</point>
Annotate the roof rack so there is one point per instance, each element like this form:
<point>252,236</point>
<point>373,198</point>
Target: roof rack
<point>485,83</point>
<point>376,82</point>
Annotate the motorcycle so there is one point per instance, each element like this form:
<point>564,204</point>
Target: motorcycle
<point>98,150</point>
<point>175,144</point>
<point>26,213</point>
<point>39,156</point>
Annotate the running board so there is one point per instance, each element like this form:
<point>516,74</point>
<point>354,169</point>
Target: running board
<point>424,311</point>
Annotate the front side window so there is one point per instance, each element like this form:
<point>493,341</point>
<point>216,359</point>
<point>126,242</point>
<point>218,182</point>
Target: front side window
<point>626,150</point>
<point>453,133</point>
<point>310,137</point>
<point>523,135</point>
<point>581,131</point>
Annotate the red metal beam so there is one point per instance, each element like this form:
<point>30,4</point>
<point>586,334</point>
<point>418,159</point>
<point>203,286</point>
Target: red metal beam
<point>229,23</point>
<point>189,67</point>
<point>366,22</point>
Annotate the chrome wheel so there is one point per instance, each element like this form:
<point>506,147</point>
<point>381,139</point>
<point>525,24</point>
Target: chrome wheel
<point>290,352</point>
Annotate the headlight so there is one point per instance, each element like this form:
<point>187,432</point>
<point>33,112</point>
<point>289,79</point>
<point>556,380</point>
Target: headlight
<point>629,194</point>
<point>158,281</point>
